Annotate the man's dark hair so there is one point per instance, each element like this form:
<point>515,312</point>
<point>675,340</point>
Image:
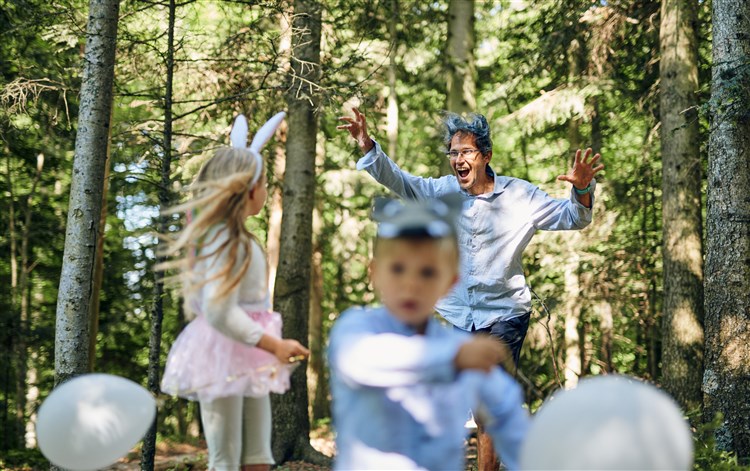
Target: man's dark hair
<point>475,124</point>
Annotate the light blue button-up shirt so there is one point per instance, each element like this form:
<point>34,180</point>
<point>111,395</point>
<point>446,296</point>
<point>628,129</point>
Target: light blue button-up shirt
<point>399,403</point>
<point>494,230</point>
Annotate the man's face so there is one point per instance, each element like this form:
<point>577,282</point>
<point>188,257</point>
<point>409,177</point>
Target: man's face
<point>468,166</point>
<point>410,277</point>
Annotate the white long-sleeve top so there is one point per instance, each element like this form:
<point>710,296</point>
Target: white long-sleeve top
<point>227,314</point>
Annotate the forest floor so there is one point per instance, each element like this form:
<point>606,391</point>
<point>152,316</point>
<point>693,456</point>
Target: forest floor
<point>179,456</point>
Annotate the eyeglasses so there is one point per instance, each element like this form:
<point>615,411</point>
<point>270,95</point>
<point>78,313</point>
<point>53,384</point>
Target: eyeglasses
<point>465,153</point>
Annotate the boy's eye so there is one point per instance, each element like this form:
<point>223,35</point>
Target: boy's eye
<point>397,268</point>
<point>428,272</point>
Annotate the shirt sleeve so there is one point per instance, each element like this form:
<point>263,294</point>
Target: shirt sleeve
<point>361,357</point>
<point>503,415</point>
<point>386,172</point>
<point>553,214</point>
<point>225,314</point>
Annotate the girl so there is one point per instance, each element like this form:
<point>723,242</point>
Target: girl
<point>230,356</point>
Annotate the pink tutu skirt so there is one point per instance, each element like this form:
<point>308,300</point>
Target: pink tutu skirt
<point>204,364</point>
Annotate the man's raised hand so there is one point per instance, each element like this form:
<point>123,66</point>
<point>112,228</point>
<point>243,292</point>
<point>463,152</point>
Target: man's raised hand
<point>357,128</point>
<point>583,170</point>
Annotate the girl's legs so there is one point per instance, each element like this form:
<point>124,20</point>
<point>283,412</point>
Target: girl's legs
<point>222,425</point>
<point>256,467</point>
<point>256,430</point>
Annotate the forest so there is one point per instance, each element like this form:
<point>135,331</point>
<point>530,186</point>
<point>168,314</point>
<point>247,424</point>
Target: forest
<point>108,108</point>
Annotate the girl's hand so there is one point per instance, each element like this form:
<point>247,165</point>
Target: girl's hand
<point>481,353</point>
<point>288,349</point>
<point>283,349</point>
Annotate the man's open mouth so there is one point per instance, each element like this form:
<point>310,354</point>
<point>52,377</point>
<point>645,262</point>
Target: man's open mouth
<point>463,173</point>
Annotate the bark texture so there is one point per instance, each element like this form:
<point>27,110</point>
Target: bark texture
<point>460,56</point>
<point>148,450</point>
<point>460,63</point>
<point>85,204</point>
<point>682,225</point>
<point>726,381</point>
<point>291,424</point>
<point>392,73</point>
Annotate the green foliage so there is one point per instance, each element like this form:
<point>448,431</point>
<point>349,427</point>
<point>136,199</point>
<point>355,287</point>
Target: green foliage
<point>38,79</point>
<point>23,459</point>
<point>707,456</point>
<point>229,60</point>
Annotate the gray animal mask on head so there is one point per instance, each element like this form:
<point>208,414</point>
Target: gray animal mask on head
<point>432,218</point>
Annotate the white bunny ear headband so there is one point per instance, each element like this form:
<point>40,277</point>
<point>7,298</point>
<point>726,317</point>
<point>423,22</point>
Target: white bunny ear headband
<point>238,137</point>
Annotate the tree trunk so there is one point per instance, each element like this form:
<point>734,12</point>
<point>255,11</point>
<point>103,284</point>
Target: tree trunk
<point>572,303</point>
<point>597,138</point>
<point>32,399</point>
<point>606,326</point>
<point>726,381</point>
<point>275,209</point>
<point>316,367</point>
<point>291,424</point>
<point>460,57</point>
<point>85,205</point>
<point>98,267</point>
<point>26,378</point>
<point>148,451</point>
<point>461,73</point>
<point>572,317</point>
<point>653,336</point>
<point>392,95</point>
<point>15,344</point>
<point>682,321</point>
<point>20,300</point>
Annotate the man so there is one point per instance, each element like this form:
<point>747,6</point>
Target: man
<point>500,216</point>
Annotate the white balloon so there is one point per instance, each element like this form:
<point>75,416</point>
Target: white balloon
<point>93,420</point>
<point>607,423</point>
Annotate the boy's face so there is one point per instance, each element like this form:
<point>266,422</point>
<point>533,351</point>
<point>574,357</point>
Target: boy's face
<point>410,276</point>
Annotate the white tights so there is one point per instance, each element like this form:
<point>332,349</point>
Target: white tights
<point>238,431</point>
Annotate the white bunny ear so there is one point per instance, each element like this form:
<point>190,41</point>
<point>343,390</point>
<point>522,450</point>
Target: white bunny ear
<point>266,131</point>
<point>238,136</point>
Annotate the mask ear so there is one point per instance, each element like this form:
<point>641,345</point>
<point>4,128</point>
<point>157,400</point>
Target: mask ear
<point>455,203</point>
<point>266,131</point>
<point>384,208</point>
<point>238,136</point>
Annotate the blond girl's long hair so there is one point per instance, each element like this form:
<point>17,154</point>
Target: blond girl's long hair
<point>220,196</point>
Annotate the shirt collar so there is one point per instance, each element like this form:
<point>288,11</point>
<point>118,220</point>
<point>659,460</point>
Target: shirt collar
<point>404,329</point>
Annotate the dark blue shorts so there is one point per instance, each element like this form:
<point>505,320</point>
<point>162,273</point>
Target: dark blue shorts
<point>511,332</point>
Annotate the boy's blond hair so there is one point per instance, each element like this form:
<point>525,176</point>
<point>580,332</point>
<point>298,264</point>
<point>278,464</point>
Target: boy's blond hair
<point>446,246</point>
<point>220,196</point>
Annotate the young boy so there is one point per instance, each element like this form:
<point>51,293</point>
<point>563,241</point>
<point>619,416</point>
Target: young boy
<point>401,381</point>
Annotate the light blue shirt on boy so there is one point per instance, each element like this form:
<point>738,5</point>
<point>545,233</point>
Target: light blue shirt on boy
<point>399,403</point>
<point>494,229</point>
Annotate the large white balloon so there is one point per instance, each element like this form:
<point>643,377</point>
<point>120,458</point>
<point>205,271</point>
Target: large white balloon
<point>93,420</point>
<point>607,423</point>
